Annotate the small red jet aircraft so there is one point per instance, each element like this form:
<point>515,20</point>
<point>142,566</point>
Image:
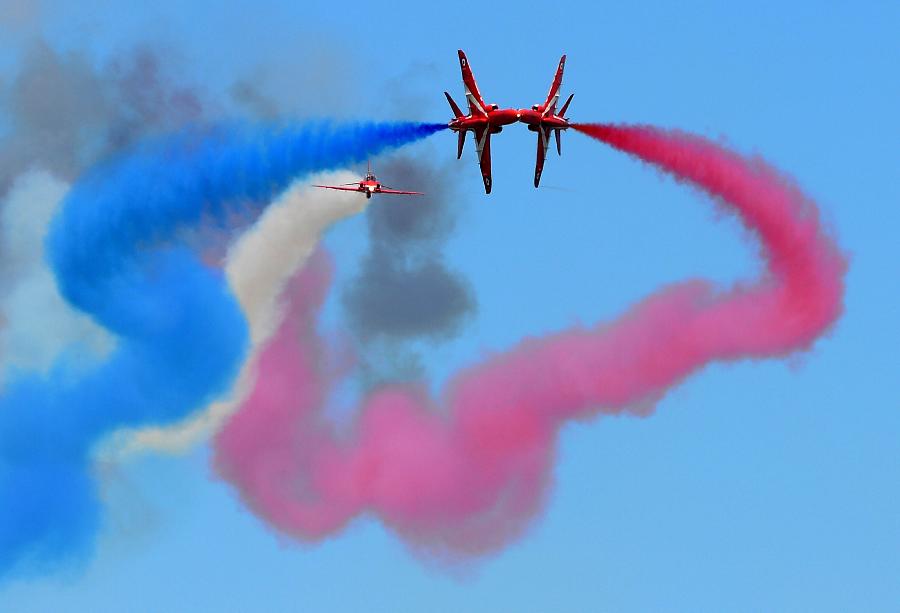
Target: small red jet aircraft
<point>369,186</point>
<point>543,119</point>
<point>482,120</point>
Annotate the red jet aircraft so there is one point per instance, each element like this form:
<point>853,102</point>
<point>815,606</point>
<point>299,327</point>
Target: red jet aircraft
<point>482,120</point>
<point>543,119</point>
<point>369,186</point>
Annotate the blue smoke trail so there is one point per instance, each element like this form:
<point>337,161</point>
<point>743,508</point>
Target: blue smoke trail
<point>181,336</point>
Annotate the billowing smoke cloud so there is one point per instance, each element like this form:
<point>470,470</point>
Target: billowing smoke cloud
<point>464,473</point>
<point>404,290</point>
<point>117,250</point>
<point>403,293</point>
<point>257,268</point>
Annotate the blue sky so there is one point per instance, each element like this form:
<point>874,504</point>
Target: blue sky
<point>755,486</point>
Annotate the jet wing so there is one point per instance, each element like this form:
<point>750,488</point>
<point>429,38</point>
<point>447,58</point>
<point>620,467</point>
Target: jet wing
<point>543,144</point>
<point>388,190</point>
<point>343,189</point>
<point>553,94</point>
<point>483,151</point>
<point>473,96</point>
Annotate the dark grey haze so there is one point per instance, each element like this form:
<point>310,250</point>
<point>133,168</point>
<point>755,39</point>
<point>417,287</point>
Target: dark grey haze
<point>404,291</point>
<point>63,113</point>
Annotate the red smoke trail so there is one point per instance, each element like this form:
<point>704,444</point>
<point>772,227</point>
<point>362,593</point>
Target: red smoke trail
<point>466,472</point>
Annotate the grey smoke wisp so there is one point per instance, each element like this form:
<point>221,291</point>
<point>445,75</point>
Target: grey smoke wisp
<point>404,291</point>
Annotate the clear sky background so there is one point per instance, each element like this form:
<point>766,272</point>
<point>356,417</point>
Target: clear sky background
<point>755,486</point>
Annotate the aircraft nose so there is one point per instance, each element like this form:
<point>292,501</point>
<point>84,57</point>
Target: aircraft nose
<point>510,116</point>
<point>527,116</point>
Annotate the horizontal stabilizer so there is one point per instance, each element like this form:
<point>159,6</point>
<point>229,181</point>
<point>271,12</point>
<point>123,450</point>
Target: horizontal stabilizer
<point>562,111</point>
<point>456,111</point>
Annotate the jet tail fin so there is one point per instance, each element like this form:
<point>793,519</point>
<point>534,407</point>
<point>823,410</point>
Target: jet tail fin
<point>456,111</point>
<point>461,144</point>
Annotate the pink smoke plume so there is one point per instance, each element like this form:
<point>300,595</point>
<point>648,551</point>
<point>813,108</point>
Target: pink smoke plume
<point>464,473</point>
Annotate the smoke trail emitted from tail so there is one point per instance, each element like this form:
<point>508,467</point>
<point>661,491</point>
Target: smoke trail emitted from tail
<point>464,474</point>
<point>116,251</point>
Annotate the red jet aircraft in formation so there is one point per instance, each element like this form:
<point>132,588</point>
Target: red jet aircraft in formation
<point>368,186</point>
<point>482,120</point>
<point>543,119</point>
<point>486,119</point>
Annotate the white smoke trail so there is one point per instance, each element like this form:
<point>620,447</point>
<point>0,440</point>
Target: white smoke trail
<point>257,267</point>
